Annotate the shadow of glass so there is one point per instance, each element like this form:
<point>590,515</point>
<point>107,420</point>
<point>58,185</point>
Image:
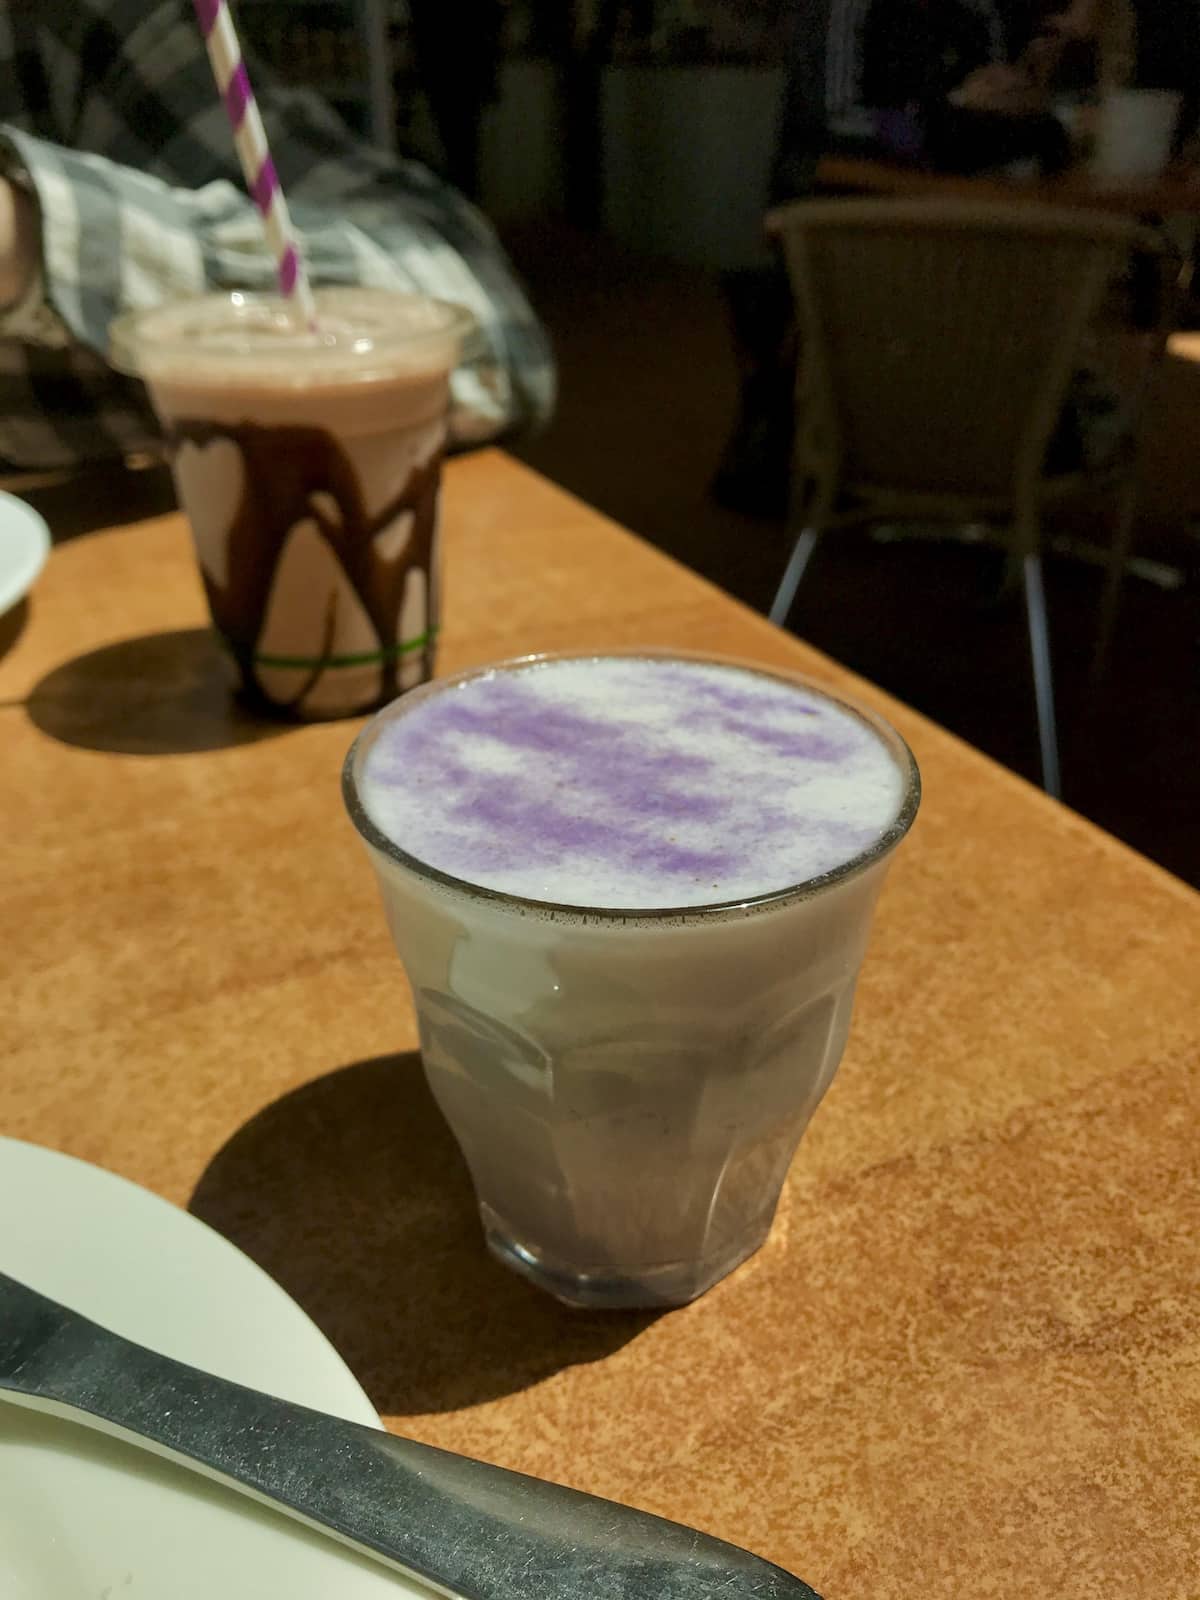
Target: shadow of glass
<point>160,694</point>
<point>12,625</point>
<point>352,1194</point>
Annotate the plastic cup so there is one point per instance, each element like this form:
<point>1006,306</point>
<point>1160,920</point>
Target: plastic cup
<point>308,462</point>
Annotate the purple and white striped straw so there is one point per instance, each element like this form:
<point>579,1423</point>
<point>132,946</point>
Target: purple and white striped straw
<point>233,83</point>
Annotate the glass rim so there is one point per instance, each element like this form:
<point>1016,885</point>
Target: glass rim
<point>224,331</point>
<point>561,911</point>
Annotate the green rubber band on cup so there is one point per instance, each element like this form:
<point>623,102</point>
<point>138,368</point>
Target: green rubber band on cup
<point>368,658</point>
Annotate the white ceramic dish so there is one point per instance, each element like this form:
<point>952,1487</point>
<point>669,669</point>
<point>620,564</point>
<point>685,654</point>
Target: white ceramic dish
<point>84,1517</point>
<point>24,546</point>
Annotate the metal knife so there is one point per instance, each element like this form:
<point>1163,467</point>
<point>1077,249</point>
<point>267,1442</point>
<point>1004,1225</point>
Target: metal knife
<point>467,1529</point>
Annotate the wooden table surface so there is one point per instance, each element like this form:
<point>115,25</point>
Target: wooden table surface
<point>1174,193</point>
<point>967,1362</point>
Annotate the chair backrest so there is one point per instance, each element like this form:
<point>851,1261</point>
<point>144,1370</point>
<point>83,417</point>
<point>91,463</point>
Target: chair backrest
<point>939,337</point>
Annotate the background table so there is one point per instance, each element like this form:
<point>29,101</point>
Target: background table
<point>1174,193</point>
<point>967,1362</point>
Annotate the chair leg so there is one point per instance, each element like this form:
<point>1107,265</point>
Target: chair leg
<point>785,595</point>
<point>1118,559</point>
<point>1043,680</point>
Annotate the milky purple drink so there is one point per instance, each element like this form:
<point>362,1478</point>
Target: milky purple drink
<point>632,894</point>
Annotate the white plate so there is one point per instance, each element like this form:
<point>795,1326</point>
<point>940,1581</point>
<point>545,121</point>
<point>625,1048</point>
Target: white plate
<point>24,546</point>
<point>83,1517</point>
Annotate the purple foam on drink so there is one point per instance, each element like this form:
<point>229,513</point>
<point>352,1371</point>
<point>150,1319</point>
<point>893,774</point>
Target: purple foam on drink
<point>629,782</point>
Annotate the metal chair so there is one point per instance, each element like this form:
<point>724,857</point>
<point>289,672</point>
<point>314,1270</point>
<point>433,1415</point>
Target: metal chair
<point>939,340</point>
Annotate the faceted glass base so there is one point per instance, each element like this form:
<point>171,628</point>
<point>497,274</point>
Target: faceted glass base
<point>617,1288</point>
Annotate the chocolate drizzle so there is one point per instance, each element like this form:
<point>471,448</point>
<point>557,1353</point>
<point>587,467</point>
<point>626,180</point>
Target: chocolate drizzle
<point>290,474</point>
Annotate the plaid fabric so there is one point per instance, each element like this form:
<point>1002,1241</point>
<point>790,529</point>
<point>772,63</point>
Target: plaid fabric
<point>109,115</point>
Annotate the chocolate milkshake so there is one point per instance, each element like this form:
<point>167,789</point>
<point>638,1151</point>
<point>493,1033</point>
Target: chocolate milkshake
<point>308,462</point>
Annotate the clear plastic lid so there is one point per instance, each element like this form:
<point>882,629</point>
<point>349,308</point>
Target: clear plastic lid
<point>360,334</point>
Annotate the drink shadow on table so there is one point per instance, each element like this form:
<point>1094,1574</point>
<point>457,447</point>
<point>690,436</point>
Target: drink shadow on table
<point>158,694</point>
<point>352,1194</point>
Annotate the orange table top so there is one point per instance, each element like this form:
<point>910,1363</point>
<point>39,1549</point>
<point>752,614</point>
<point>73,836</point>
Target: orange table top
<point>967,1362</point>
